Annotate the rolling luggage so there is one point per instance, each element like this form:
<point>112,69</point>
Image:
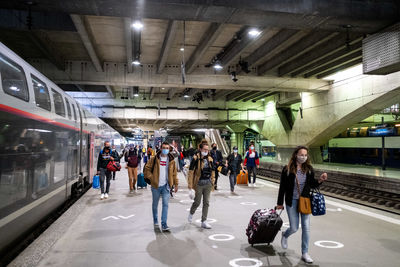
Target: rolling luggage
<point>263,226</point>
<point>96,182</point>
<point>140,181</point>
<point>242,177</point>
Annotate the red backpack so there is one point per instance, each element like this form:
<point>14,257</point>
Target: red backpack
<point>113,166</point>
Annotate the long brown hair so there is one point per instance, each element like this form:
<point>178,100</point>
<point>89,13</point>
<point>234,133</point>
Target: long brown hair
<point>292,166</point>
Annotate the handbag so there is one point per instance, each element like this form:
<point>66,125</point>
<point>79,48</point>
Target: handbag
<point>304,202</point>
<point>317,203</point>
<point>113,166</point>
<point>223,169</point>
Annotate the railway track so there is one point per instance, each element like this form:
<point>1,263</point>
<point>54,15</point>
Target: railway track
<point>378,199</point>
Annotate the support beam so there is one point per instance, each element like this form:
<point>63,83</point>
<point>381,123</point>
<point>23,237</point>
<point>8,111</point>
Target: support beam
<point>171,93</point>
<point>46,46</point>
<point>337,63</point>
<point>152,91</point>
<point>319,52</point>
<point>236,47</point>
<point>245,94</point>
<point>145,77</point>
<point>264,96</point>
<point>277,40</point>
<point>167,44</point>
<point>304,45</point>
<point>207,40</point>
<point>81,24</point>
<point>234,95</point>
<point>128,43</point>
<point>110,91</point>
<point>253,96</point>
<point>345,66</point>
<point>326,60</point>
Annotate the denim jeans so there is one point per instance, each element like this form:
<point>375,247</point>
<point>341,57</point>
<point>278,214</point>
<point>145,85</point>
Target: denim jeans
<point>252,170</point>
<point>232,180</point>
<point>105,175</point>
<point>162,191</point>
<point>293,215</point>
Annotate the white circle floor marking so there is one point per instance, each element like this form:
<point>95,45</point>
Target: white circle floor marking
<point>248,203</point>
<point>234,263</point>
<point>214,246</point>
<point>336,244</point>
<point>225,237</point>
<point>186,201</point>
<point>287,225</point>
<point>209,220</point>
<point>235,197</point>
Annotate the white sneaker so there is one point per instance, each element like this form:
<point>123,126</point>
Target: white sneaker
<point>190,217</point>
<point>205,225</point>
<point>106,195</point>
<point>249,184</point>
<point>284,244</point>
<point>102,196</point>
<point>254,184</point>
<point>306,257</point>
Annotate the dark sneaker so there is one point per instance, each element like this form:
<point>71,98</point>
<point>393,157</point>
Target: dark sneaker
<point>165,228</point>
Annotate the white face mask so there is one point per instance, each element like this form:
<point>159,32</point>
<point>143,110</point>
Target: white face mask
<point>252,147</point>
<point>301,159</point>
<point>204,153</point>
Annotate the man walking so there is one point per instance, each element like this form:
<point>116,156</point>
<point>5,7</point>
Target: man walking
<point>105,156</point>
<point>161,170</point>
<point>217,159</point>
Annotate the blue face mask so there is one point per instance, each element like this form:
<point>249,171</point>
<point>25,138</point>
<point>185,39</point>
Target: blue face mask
<point>235,151</point>
<point>165,151</point>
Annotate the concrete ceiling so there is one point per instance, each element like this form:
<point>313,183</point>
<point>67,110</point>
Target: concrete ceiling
<point>306,40</point>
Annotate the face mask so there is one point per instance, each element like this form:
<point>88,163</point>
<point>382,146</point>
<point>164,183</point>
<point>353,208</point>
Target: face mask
<point>165,151</point>
<point>235,151</point>
<point>301,159</point>
<point>215,148</point>
<point>204,154</point>
<point>107,147</point>
<point>252,147</point>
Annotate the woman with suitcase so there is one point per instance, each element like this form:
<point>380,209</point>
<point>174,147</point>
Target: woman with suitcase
<point>297,179</point>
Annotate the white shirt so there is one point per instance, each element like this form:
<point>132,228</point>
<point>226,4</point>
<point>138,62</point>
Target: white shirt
<point>252,154</point>
<point>163,171</point>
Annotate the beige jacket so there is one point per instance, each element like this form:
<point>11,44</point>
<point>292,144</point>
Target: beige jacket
<point>155,175</point>
<point>195,171</point>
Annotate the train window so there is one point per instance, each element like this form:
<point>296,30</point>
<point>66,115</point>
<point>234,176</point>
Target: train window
<point>68,109</point>
<point>58,103</point>
<point>13,78</point>
<point>42,96</point>
<point>74,111</point>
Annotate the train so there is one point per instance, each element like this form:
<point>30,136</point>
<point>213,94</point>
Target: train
<point>49,146</point>
<point>363,146</point>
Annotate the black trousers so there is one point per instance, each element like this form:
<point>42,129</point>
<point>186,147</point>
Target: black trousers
<point>216,178</point>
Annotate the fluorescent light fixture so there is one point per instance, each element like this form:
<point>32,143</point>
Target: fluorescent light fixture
<point>137,25</point>
<point>200,130</point>
<point>39,84</point>
<point>162,88</point>
<point>254,32</point>
<point>186,96</point>
<point>136,62</point>
<point>218,66</point>
<point>14,88</point>
<point>136,94</point>
<point>182,49</point>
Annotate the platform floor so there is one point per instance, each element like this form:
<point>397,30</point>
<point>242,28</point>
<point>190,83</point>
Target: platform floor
<point>119,232</point>
<point>351,168</point>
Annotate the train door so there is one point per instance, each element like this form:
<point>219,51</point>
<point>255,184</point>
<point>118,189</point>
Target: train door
<point>91,156</point>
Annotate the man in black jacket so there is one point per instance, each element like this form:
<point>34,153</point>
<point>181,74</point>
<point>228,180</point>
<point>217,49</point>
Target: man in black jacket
<point>217,159</point>
<point>234,164</point>
<point>105,156</point>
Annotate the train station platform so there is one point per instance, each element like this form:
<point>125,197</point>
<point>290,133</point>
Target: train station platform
<point>348,168</point>
<point>119,232</point>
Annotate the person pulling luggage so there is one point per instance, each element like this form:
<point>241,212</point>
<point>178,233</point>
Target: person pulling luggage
<point>201,179</point>
<point>234,164</point>
<point>297,179</point>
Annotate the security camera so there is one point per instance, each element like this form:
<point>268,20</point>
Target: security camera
<point>233,76</point>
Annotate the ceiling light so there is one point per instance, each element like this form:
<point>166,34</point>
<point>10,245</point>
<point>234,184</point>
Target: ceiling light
<point>162,88</point>
<point>263,99</point>
<point>182,49</point>
<point>14,88</point>
<point>186,95</point>
<point>218,66</point>
<point>254,32</point>
<point>137,25</point>
<point>136,62</point>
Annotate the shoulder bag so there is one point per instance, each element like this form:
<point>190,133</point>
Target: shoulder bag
<point>304,202</point>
